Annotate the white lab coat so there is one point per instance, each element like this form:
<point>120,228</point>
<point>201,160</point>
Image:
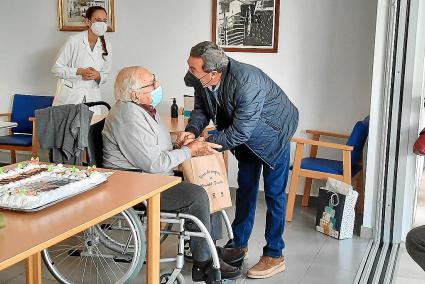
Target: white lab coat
<point>76,53</point>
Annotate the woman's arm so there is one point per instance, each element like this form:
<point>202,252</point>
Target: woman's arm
<point>62,68</point>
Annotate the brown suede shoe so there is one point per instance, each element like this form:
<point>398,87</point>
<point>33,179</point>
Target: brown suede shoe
<point>267,267</point>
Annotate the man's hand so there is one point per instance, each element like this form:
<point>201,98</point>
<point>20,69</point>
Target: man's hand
<point>184,138</point>
<point>202,148</point>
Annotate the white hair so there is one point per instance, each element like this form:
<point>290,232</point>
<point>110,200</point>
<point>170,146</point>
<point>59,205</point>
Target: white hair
<point>127,81</point>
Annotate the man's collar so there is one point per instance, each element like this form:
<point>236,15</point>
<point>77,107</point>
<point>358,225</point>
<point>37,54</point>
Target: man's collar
<point>224,73</point>
<point>214,88</point>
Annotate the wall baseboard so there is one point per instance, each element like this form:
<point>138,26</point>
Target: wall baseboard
<point>366,232</point>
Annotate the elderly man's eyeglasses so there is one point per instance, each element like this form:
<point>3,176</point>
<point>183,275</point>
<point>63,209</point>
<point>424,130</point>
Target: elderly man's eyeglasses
<point>149,85</point>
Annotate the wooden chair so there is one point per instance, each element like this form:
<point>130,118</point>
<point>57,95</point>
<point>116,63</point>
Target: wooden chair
<point>312,167</point>
<point>22,138</point>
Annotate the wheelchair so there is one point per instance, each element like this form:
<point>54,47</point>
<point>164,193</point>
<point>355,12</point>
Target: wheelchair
<point>114,251</point>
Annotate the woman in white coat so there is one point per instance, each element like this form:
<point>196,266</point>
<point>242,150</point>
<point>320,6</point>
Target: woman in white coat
<point>84,62</point>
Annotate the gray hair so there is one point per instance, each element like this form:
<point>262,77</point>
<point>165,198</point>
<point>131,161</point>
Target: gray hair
<point>213,56</point>
<point>128,80</point>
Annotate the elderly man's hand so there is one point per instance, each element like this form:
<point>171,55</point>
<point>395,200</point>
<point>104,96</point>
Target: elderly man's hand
<point>184,138</point>
<point>202,148</point>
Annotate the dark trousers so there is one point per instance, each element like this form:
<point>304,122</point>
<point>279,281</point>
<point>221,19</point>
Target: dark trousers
<point>415,245</point>
<point>275,181</point>
<point>192,199</point>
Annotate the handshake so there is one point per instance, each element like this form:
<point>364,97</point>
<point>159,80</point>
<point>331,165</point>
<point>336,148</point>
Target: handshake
<point>198,147</point>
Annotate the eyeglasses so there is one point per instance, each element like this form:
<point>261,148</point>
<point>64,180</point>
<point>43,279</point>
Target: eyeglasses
<point>149,85</point>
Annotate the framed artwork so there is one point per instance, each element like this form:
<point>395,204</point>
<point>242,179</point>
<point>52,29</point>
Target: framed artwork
<point>71,13</point>
<point>246,25</point>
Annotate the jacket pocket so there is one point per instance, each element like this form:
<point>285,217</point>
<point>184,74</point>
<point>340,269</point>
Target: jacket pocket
<point>68,84</point>
<point>272,124</point>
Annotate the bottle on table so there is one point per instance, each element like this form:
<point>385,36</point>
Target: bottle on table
<point>174,109</point>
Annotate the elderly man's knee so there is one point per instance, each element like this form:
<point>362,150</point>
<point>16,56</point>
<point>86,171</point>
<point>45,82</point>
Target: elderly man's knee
<point>199,194</point>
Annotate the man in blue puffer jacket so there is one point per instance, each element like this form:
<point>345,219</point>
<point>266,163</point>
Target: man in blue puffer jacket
<point>256,121</point>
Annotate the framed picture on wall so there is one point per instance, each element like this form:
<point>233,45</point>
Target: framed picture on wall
<point>71,13</point>
<point>246,25</point>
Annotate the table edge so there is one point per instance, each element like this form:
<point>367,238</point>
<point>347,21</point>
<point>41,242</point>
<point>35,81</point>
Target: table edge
<point>22,256</point>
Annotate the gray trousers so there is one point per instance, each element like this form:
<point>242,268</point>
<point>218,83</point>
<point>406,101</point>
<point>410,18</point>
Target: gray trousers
<point>192,199</point>
<point>415,245</point>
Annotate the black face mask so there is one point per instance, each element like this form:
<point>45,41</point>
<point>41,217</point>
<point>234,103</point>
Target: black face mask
<point>191,81</point>
<point>190,77</point>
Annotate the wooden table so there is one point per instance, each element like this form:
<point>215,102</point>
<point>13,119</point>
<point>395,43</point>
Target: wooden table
<point>27,234</point>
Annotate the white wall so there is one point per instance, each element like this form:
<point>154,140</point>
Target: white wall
<point>324,62</point>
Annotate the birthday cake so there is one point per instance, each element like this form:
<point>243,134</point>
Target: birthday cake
<point>32,185</point>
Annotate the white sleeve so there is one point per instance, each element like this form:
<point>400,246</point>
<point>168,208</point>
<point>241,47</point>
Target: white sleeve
<point>106,69</point>
<point>61,68</point>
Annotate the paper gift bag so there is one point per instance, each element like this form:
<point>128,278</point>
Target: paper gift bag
<point>335,211</point>
<point>210,173</point>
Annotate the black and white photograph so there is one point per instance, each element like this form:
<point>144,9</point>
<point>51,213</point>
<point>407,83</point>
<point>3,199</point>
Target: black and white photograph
<point>246,25</point>
<point>71,13</point>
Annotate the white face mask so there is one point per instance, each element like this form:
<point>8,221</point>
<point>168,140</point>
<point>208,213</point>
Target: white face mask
<point>99,28</point>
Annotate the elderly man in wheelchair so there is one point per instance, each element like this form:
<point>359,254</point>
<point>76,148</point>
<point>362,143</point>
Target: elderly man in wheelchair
<point>134,138</point>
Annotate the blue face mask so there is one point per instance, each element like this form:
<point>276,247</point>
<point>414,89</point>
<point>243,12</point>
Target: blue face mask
<point>156,96</point>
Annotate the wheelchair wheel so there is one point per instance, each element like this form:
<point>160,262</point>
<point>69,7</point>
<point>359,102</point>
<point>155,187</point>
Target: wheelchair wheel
<point>165,277</point>
<point>84,258</point>
<point>108,232</point>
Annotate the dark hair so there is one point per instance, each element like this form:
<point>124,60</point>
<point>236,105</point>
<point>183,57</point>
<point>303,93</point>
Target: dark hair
<point>213,56</point>
<point>89,14</point>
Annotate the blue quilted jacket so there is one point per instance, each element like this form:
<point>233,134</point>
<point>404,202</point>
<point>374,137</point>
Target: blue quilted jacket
<point>248,109</point>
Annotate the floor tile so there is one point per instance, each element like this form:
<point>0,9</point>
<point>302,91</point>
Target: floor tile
<point>324,274</point>
<point>404,280</point>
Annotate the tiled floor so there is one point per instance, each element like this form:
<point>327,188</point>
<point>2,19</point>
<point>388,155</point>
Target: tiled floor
<point>311,257</point>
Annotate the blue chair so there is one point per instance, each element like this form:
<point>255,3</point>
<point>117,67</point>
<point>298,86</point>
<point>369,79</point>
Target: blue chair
<point>22,138</point>
<point>312,167</point>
